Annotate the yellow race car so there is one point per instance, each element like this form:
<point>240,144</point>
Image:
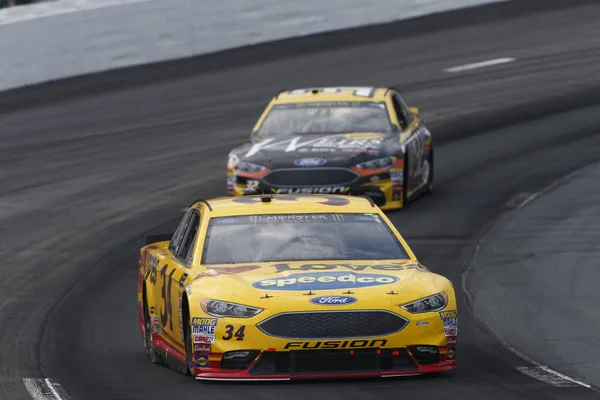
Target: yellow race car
<point>277,287</point>
<point>336,140</point>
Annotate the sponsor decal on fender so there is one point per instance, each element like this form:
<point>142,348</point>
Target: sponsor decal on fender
<point>336,344</point>
<point>201,360</point>
<point>203,339</point>
<point>325,281</point>
<point>450,322</point>
<point>448,314</point>
<point>451,355</point>
<point>205,321</point>
<point>450,331</point>
<point>201,348</point>
<point>156,328</point>
<point>203,330</point>
<point>204,327</point>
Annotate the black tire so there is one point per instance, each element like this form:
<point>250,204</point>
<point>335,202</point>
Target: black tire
<point>429,185</point>
<point>151,351</point>
<point>189,354</point>
<point>405,182</point>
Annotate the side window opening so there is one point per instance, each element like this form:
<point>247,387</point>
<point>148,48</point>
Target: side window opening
<point>187,248</point>
<point>399,112</point>
<point>408,117</point>
<point>179,233</point>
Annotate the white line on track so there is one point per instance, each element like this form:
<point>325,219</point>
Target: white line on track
<point>44,389</point>
<point>551,377</point>
<point>52,389</point>
<point>482,64</point>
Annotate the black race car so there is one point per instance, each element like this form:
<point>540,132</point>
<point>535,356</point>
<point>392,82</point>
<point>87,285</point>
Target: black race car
<point>344,140</point>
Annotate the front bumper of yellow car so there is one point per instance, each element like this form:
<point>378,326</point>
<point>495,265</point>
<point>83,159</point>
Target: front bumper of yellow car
<point>324,344</point>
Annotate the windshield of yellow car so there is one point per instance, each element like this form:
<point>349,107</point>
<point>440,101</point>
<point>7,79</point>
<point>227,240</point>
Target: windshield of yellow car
<point>296,237</point>
<point>326,118</point>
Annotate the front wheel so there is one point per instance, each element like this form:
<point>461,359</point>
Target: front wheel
<point>189,354</point>
<point>405,184</point>
<point>428,172</point>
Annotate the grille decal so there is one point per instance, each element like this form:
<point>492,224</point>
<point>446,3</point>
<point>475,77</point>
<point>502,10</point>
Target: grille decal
<point>310,177</point>
<point>313,325</point>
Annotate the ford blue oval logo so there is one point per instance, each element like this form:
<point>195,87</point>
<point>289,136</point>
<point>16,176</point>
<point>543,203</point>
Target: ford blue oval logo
<point>310,162</point>
<point>333,300</point>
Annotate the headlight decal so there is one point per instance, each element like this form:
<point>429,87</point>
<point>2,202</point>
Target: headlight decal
<point>232,161</point>
<point>378,163</point>
<point>218,308</point>
<point>436,302</point>
<point>245,166</point>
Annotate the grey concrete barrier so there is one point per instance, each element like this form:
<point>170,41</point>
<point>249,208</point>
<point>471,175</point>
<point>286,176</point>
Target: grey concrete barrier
<point>66,38</point>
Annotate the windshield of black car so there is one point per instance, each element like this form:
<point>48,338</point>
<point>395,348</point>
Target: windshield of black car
<point>291,237</point>
<point>326,117</point>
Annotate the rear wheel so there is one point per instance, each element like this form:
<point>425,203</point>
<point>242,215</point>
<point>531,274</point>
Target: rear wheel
<point>151,351</point>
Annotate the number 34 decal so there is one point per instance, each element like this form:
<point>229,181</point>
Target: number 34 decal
<point>239,334</point>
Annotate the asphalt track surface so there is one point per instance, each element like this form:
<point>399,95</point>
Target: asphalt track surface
<point>555,243</point>
<point>89,165</point>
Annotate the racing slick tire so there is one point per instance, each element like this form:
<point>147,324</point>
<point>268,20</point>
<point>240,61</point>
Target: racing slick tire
<point>429,179</point>
<point>427,186</point>
<point>151,351</point>
<point>189,346</point>
<point>405,182</point>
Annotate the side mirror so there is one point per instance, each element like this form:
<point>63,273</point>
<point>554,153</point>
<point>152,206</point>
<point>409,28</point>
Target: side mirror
<point>162,237</point>
<point>415,112</point>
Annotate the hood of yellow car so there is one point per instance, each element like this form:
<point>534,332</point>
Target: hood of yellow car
<point>290,279</point>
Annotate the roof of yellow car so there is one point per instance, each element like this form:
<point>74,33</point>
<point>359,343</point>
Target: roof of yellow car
<point>287,204</point>
<point>331,94</point>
